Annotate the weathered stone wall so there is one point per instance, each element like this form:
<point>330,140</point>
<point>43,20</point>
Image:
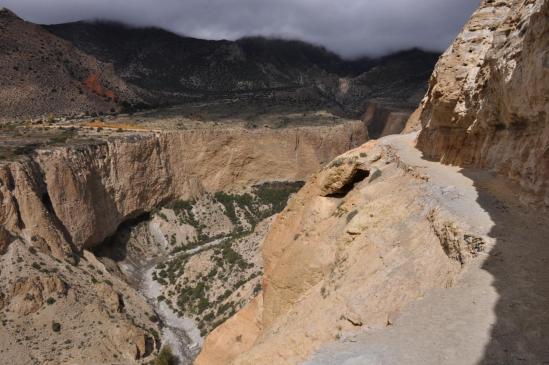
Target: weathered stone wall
<point>488,100</point>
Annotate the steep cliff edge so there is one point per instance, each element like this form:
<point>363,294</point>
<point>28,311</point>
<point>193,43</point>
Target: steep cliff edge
<point>70,198</point>
<point>365,237</point>
<point>382,227</point>
<point>395,259</point>
<point>488,99</point>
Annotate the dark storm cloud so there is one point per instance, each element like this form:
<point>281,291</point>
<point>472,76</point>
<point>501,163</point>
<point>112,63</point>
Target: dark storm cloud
<point>349,27</point>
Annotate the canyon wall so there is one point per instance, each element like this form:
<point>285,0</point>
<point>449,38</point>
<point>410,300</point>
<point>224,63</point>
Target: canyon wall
<point>65,199</point>
<point>488,98</point>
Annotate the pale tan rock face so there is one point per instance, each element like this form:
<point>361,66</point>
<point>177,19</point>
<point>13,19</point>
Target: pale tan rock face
<point>335,263</point>
<point>29,293</point>
<point>130,340</point>
<point>234,338</point>
<point>383,121</point>
<point>488,100</point>
<point>66,199</point>
<point>343,257</point>
<point>413,124</point>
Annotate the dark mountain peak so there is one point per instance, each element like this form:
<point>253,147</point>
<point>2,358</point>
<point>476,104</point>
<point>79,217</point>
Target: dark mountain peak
<point>262,41</point>
<point>410,54</point>
<point>7,14</point>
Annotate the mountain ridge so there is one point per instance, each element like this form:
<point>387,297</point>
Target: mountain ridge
<point>107,67</point>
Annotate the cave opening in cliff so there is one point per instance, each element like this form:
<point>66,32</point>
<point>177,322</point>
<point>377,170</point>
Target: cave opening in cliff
<point>358,176</point>
<point>114,247</point>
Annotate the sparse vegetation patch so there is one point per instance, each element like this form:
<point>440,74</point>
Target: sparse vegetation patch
<point>228,278</point>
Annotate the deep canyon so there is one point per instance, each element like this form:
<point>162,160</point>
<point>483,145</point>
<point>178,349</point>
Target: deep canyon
<point>239,216</point>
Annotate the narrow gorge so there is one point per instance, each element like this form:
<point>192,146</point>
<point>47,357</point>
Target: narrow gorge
<point>265,201</point>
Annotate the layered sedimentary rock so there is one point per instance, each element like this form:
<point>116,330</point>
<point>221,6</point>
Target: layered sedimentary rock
<point>488,99</point>
<point>68,198</point>
<point>58,201</point>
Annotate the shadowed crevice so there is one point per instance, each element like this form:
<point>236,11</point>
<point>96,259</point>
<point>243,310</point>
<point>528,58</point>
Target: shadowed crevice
<point>358,176</point>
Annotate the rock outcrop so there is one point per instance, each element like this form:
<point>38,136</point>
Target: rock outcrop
<point>488,99</point>
<point>362,239</point>
<point>384,120</point>
<point>30,293</point>
<point>69,198</point>
<point>56,312</point>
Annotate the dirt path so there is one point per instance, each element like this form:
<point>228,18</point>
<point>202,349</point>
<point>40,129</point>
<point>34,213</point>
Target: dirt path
<point>498,313</point>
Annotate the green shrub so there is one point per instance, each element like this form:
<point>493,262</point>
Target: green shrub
<point>50,301</point>
<point>228,202</point>
<point>55,326</point>
<point>166,357</point>
<point>276,194</point>
<point>203,304</point>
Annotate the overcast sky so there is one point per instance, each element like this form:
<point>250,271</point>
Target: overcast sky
<point>348,27</point>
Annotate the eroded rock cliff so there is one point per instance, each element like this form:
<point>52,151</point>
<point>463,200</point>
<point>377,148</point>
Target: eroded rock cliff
<point>362,239</point>
<point>69,198</point>
<point>488,99</point>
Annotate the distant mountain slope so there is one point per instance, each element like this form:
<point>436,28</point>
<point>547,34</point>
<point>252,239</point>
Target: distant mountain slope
<point>41,73</point>
<point>397,77</point>
<point>156,59</point>
<point>104,67</point>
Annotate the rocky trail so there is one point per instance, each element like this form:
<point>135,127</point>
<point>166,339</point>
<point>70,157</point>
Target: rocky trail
<point>496,312</point>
